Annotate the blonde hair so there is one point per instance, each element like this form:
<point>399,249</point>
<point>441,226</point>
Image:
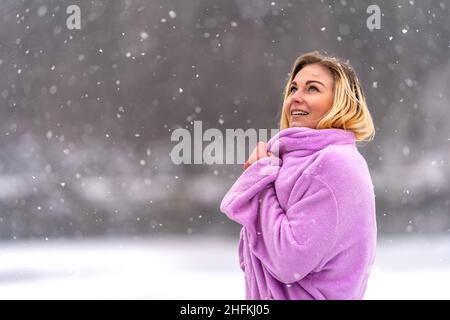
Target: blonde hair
<point>349,110</point>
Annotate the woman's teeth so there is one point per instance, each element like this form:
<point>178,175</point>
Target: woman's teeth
<point>299,113</point>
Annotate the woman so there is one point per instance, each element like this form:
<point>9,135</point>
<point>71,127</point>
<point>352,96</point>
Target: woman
<point>306,200</point>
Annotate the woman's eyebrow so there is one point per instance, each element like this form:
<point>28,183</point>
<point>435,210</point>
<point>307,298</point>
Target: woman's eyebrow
<point>309,81</point>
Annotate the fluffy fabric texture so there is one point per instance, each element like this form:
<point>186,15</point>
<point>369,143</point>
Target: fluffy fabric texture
<point>308,216</point>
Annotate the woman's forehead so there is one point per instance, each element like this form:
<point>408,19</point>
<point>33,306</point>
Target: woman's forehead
<point>313,72</point>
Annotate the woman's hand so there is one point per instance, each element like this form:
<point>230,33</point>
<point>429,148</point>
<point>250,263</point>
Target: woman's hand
<point>258,153</point>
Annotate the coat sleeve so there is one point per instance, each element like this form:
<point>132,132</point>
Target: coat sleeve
<point>252,181</point>
<point>241,250</point>
<point>289,244</point>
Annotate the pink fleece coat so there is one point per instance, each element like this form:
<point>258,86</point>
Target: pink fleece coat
<point>309,226</point>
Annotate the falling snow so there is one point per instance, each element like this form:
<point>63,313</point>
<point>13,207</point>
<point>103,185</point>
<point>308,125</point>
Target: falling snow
<point>88,115</point>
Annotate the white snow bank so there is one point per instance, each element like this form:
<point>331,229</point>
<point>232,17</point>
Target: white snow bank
<point>193,268</point>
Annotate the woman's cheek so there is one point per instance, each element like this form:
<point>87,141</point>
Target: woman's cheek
<point>286,107</point>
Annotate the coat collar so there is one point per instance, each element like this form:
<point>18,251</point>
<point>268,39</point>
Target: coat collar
<point>306,141</point>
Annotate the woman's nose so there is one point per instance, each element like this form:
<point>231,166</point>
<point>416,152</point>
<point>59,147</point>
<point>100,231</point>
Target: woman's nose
<point>297,96</point>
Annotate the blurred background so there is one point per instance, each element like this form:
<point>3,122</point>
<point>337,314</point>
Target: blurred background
<point>86,118</point>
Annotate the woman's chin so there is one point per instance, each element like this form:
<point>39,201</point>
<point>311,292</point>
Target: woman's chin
<point>299,125</point>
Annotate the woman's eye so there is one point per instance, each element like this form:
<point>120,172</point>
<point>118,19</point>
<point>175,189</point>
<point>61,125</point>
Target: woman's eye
<point>314,88</point>
<point>292,88</point>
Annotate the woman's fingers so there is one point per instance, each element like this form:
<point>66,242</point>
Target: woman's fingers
<point>261,150</point>
<point>258,153</point>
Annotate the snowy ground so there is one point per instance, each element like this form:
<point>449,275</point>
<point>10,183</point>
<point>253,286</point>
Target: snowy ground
<point>193,268</point>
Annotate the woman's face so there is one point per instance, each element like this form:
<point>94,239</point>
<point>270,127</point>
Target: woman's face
<point>311,91</point>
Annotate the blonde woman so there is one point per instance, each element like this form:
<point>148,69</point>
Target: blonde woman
<point>306,200</point>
